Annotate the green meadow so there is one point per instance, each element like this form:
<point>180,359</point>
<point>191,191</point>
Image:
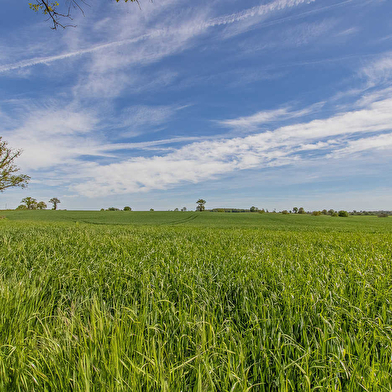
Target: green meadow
<point>186,301</point>
<point>269,221</point>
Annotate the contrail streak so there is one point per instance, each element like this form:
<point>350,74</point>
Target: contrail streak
<point>261,10</point>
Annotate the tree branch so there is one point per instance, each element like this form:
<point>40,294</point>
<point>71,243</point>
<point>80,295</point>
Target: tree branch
<point>56,17</point>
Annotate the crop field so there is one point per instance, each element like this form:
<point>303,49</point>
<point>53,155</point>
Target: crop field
<point>171,301</point>
<point>269,221</point>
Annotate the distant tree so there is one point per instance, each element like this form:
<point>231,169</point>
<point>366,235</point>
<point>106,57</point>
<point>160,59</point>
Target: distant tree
<point>219,210</point>
<point>301,211</point>
<point>113,209</point>
<point>382,215</point>
<point>316,213</point>
<point>102,209</point>
<point>343,214</point>
<point>8,170</point>
<point>285,212</point>
<point>200,205</point>
<point>42,205</point>
<point>262,211</point>
<point>295,210</point>
<point>253,209</point>
<point>30,202</point>
<point>183,209</point>
<point>152,210</point>
<point>334,214</point>
<point>21,207</point>
<point>54,201</point>
<point>331,211</point>
<point>127,208</point>
<point>324,212</point>
<point>176,209</point>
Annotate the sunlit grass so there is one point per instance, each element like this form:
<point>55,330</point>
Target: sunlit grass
<point>94,307</point>
<point>271,221</point>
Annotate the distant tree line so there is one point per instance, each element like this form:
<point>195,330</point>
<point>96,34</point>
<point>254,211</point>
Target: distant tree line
<point>126,208</point>
<point>295,210</point>
<point>29,203</point>
<point>229,210</point>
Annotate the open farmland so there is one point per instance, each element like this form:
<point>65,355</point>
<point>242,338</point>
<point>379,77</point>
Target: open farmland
<point>169,301</point>
<point>271,221</point>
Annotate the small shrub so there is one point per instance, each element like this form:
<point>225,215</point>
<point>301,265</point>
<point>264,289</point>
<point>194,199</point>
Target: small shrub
<point>334,214</point>
<point>316,213</point>
<point>343,214</point>
<point>21,207</point>
<point>127,208</point>
<point>285,212</point>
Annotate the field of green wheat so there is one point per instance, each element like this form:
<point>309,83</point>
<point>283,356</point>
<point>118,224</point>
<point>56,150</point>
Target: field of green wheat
<point>194,302</point>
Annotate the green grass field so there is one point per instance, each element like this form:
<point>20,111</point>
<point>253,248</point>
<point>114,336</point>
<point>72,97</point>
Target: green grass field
<point>167,301</point>
<point>208,219</point>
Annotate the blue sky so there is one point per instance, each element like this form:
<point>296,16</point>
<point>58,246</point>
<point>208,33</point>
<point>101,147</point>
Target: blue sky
<point>273,103</point>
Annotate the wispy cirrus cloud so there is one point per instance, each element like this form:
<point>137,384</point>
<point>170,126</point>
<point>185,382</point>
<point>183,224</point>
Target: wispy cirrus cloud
<point>55,138</point>
<point>380,142</point>
<point>51,137</point>
<point>186,31</point>
<point>142,119</point>
<point>364,129</point>
<point>379,71</point>
<point>328,138</point>
<point>251,123</point>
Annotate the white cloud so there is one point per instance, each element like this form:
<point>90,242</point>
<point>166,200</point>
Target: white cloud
<point>380,142</point>
<point>147,145</point>
<point>50,137</point>
<point>171,39</point>
<point>136,119</point>
<point>379,71</point>
<point>197,162</point>
<point>299,35</point>
<point>374,84</point>
<point>58,141</point>
<point>348,32</point>
<point>263,117</point>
